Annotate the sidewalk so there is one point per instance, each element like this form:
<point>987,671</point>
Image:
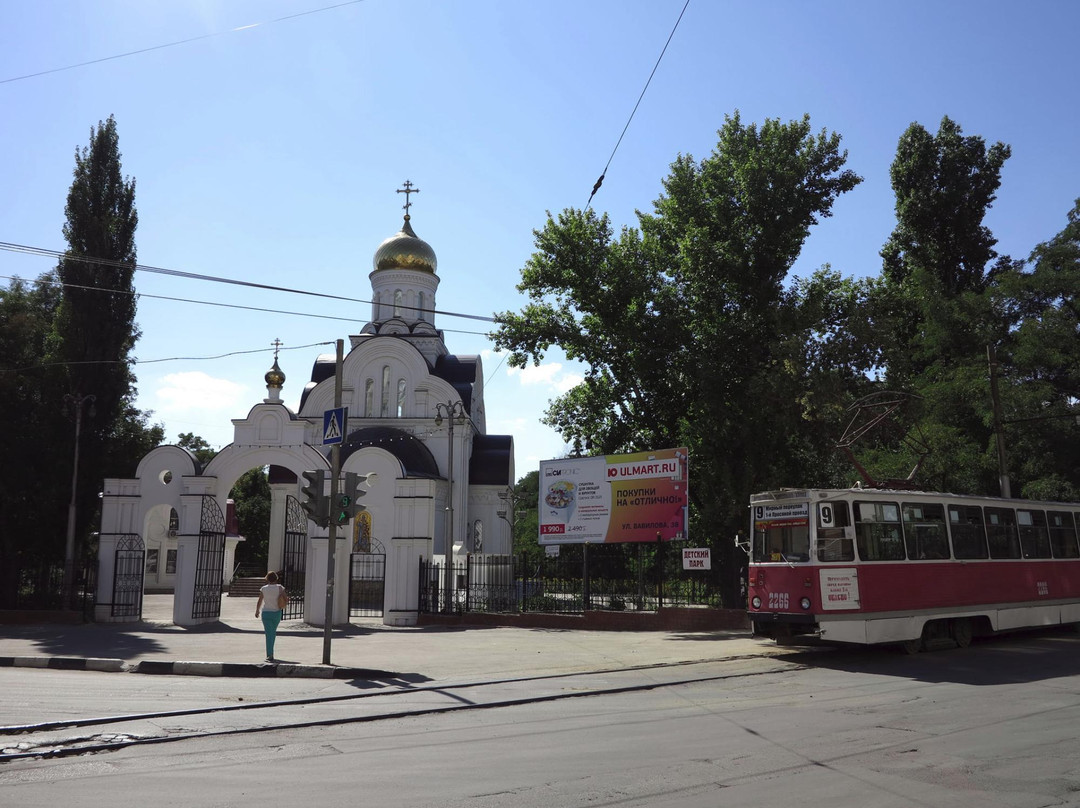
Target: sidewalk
<point>364,649</point>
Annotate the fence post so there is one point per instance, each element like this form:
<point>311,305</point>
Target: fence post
<point>659,571</point>
<point>468,581</point>
<point>586,590</point>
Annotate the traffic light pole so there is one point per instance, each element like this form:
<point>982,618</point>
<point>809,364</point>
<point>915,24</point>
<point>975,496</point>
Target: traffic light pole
<point>335,472</point>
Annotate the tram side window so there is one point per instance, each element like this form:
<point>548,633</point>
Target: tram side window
<point>924,530</point>
<point>1062,534</point>
<point>877,531</point>
<point>1001,533</point>
<point>1034,537</point>
<point>968,536</point>
<point>833,542</point>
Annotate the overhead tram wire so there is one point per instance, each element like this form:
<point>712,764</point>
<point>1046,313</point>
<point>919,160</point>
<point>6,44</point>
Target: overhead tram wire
<point>603,173</point>
<point>176,273</point>
<point>179,42</point>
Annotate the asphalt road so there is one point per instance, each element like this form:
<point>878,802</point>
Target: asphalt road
<point>994,725</point>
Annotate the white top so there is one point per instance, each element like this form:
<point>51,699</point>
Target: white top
<point>270,594</point>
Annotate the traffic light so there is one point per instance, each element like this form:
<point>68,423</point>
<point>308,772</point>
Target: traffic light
<point>315,502</point>
<point>348,501</point>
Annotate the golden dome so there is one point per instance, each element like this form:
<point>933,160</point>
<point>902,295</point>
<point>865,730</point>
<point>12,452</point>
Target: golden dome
<point>405,250</point>
<point>274,377</point>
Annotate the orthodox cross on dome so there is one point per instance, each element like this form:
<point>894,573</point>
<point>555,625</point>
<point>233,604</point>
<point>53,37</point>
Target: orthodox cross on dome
<point>277,346</point>
<point>408,189</point>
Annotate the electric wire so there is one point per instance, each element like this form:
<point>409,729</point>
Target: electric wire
<point>178,42</point>
<point>603,173</point>
<point>177,273</point>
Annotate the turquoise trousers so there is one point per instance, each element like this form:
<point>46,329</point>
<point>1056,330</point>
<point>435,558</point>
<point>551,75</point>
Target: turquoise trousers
<point>271,619</point>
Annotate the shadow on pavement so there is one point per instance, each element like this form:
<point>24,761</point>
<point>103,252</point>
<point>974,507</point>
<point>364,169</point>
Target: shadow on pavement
<point>1004,659</point>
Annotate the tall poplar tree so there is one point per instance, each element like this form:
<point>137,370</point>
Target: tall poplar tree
<point>94,329</point>
<point>934,304</point>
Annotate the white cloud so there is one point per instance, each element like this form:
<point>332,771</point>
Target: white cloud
<point>548,374</point>
<point>194,401</point>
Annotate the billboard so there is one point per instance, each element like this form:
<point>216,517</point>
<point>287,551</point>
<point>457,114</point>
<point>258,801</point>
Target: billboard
<point>614,498</point>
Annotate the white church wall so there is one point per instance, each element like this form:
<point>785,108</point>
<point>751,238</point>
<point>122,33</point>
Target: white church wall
<point>484,507</point>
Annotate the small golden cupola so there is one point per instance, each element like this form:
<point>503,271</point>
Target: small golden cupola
<point>275,377</point>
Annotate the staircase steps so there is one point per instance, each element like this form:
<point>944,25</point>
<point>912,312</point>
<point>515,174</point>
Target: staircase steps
<point>246,587</point>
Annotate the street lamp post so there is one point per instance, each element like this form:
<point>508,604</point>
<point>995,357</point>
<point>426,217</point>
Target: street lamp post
<point>69,547</point>
<point>509,512</point>
<point>453,411</point>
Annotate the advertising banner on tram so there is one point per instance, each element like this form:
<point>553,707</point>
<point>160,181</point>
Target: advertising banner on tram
<point>614,498</point>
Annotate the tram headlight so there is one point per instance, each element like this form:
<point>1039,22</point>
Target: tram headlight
<point>756,602</point>
<point>805,603</point>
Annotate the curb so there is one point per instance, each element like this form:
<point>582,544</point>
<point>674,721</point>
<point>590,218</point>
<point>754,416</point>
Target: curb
<point>253,670</point>
<point>64,663</point>
<point>247,670</point>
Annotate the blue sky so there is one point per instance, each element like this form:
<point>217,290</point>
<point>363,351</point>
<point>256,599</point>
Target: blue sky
<point>272,153</point>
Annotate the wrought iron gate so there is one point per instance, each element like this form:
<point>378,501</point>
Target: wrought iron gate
<point>210,563</point>
<point>367,580</point>
<point>127,594</point>
<point>294,558</point>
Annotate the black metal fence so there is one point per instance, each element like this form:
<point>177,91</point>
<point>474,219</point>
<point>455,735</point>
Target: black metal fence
<point>39,586</point>
<point>582,577</point>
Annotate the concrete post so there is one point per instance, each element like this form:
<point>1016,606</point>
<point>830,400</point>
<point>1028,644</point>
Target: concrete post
<point>402,590</point>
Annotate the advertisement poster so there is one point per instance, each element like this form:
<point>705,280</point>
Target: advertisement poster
<point>614,498</point>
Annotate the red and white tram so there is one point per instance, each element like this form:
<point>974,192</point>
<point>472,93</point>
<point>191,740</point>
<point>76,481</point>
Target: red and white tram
<point>875,566</point>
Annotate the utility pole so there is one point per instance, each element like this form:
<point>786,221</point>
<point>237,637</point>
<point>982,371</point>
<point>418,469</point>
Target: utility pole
<point>335,472</point>
<point>69,547</point>
<point>999,424</point>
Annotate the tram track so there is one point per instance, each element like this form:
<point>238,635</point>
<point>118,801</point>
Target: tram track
<point>53,739</point>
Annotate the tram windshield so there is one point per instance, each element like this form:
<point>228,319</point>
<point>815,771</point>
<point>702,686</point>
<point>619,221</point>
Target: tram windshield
<point>786,540</point>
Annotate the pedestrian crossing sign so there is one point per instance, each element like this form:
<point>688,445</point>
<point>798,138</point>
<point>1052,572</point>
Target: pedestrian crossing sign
<point>333,430</point>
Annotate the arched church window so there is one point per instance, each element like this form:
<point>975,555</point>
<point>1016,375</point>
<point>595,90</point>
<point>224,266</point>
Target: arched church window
<point>478,536</point>
<point>400,398</point>
<point>384,404</point>
<point>398,300</point>
<point>369,398</point>
<point>421,305</point>
<point>174,522</point>
<point>362,533</point>
<point>375,306</point>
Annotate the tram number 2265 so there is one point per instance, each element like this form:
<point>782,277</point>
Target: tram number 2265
<point>778,600</point>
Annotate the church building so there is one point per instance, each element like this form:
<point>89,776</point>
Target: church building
<point>415,418</point>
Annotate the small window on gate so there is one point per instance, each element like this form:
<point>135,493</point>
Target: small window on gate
<point>834,544</point>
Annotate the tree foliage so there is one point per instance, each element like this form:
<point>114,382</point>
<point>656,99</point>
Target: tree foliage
<point>945,296</point>
<point>688,332</point>
<point>1041,366</point>
<point>197,445</point>
<point>68,337</point>
<point>251,495</point>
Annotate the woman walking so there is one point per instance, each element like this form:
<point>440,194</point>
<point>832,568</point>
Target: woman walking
<point>272,601</point>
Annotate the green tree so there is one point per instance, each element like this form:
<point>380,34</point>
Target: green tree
<point>934,305</point>
<point>94,330</point>
<point>251,494</point>
<point>35,479</point>
<point>198,446</point>
<point>936,263</point>
<point>1040,357</point>
<point>687,330</point>
<point>524,500</point>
